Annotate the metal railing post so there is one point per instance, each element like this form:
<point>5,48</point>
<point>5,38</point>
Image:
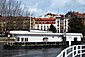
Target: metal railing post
<point>76,50</point>
<point>80,51</point>
<point>65,53</point>
<point>73,51</point>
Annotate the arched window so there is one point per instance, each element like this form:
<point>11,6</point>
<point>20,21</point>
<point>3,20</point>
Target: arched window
<point>22,39</point>
<point>45,39</point>
<point>18,38</point>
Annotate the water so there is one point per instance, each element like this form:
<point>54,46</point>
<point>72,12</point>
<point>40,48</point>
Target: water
<point>43,52</point>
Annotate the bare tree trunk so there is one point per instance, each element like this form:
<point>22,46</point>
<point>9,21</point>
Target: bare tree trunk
<point>12,9</point>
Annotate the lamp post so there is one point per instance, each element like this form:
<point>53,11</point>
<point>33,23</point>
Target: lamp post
<point>64,34</point>
<point>64,37</point>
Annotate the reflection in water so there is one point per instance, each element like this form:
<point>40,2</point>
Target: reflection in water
<point>44,52</point>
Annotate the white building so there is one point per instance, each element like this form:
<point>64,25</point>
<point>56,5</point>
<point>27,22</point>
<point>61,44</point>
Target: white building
<point>43,23</point>
<point>45,36</point>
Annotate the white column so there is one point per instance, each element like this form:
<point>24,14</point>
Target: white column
<point>42,26</point>
<point>69,43</point>
<point>46,26</point>
<point>80,51</point>
<point>39,26</point>
<point>73,51</point>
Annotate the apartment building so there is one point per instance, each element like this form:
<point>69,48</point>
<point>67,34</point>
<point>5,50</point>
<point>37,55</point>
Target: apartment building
<point>14,23</point>
<point>76,15</point>
<point>40,23</point>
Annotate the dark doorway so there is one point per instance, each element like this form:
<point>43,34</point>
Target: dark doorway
<point>75,41</point>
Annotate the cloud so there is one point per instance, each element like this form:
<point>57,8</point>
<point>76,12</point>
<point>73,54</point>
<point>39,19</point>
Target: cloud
<point>35,10</point>
<point>58,6</point>
<point>58,3</point>
<point>66,5</point>
<point>81,2</point>
<point>40,7</point>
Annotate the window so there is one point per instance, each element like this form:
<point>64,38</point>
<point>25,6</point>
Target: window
<point>52,36</point>
<point>18,38</point>
<point>75,38</point>
<point>26,39</point>
<point>61,21</point>
<point>61,28</point>
<point>61,31</point>
<point>58,30</point>
<point>58,23</point>
<point>45,39</point>
<point>47,26</point>
<point>22,39</point>
<point>41,27</point>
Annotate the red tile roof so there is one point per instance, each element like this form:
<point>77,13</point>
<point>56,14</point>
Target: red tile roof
<point>78,14</point>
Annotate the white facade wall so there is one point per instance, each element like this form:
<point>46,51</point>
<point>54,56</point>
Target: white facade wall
<point>46,26</point>
<point>71,38</point>
<point>40,38</point>
<point>56,38</point>
<point>66,20</point>
<point>57,25</point>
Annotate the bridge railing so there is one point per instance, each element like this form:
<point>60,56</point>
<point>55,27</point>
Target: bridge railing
<point>73,51</point>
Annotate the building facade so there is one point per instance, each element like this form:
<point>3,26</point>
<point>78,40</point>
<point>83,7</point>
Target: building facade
<point>14,23</point>
<point>79,21</point>
<point>59,22</point>
<point>40,38</point>
<point>41,23</point>
<point>77,15</point>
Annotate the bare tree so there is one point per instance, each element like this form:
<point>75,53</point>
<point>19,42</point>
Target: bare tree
<point>2,7</point>
<point>12,8</point>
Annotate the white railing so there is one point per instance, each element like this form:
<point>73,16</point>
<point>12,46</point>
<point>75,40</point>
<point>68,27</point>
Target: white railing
<point>73,51</point>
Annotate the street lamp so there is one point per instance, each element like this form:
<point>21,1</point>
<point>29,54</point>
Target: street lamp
<point>64,34</point>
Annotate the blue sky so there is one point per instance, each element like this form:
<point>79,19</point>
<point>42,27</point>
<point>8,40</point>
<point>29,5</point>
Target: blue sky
<point>40,7</point>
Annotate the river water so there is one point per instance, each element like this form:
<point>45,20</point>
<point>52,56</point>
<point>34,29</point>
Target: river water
<point>43,52</point>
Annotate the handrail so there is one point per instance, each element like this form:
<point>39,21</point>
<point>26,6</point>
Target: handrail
<point>73,51</point>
